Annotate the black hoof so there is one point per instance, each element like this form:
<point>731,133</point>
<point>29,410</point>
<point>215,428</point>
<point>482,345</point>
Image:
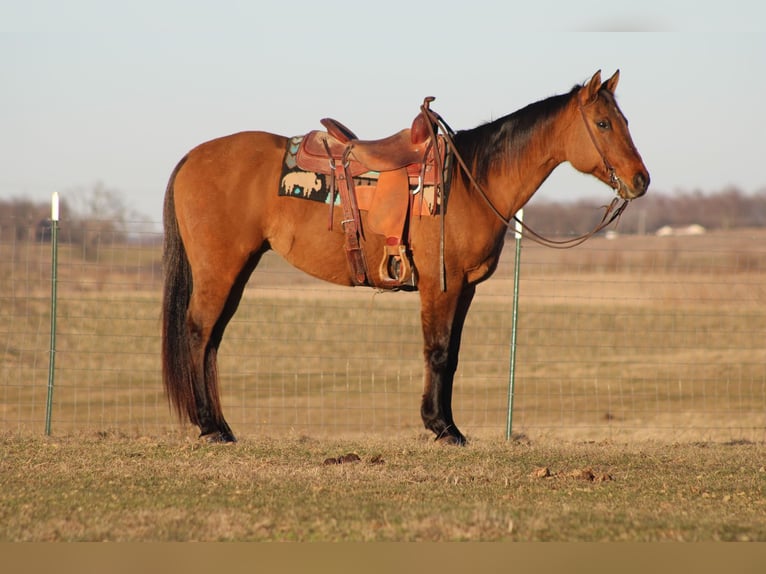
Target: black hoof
<point>219,437</point>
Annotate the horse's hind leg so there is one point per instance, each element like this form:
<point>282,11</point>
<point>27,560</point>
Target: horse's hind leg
<point>212,306</point>
<point>204,310</point>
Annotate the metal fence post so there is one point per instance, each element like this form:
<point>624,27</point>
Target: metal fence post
<point>54,282</point>
<point>514,322</point>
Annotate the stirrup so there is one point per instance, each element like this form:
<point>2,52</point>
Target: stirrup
<point>395,268</point>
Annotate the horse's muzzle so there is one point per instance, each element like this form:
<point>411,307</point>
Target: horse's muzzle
<point>638,187</point>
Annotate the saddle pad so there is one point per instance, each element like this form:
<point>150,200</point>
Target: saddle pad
<point>302,184</point>
<point>295,182</point>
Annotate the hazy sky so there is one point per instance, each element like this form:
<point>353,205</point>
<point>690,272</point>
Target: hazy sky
<point>117,92</point>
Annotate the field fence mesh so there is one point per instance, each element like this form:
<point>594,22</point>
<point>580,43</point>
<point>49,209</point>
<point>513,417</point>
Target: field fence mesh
<point>626,338</point>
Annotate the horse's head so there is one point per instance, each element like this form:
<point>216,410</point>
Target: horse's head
<point>601,144</point>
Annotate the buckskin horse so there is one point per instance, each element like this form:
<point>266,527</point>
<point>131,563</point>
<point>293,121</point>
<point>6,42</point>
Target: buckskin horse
<point>222,212</point>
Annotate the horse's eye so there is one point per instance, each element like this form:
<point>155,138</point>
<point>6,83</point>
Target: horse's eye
<point>603,124</point>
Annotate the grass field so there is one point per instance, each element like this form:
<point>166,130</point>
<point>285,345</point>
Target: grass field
<point>640,387</point>
<point>641,337</point>
<point>111,488</point>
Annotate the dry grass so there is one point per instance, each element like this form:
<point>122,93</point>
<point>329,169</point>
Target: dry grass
<point>641,337</point>
<point>111,488</point>
<point>639,408</point>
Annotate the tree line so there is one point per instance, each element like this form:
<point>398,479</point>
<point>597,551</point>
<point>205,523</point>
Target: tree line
<point>88,218</point>
<point>726,209</point>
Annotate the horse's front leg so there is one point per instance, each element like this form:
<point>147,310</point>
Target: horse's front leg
<point>443,316</point>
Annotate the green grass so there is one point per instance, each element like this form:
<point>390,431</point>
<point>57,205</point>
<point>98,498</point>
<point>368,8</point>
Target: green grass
<point>114,488</point>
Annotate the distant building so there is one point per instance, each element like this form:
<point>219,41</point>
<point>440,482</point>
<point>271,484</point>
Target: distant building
<point>668,231</point>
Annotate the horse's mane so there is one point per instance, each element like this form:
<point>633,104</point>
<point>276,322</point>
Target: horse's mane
<point>484,146</point>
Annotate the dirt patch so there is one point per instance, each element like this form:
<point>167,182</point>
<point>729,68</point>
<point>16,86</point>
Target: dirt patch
<point>586,474</point>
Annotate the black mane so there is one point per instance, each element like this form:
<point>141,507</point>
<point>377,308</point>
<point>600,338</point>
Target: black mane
<point>487,145</point>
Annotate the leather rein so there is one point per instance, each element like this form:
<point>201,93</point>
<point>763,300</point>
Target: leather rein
<point>606,219</point>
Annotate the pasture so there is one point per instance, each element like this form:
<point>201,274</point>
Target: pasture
<point>113,488</point>
<point>640,387</point>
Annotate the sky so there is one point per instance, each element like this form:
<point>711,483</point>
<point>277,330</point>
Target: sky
<point>115,93</point>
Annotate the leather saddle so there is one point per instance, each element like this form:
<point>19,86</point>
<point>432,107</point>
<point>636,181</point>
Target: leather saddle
<point>381,177</point>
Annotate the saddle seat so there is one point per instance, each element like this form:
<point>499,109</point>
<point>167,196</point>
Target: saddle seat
<point>406,147</point>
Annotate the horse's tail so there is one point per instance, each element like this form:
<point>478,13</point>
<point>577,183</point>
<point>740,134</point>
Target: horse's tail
<point>177,366</point>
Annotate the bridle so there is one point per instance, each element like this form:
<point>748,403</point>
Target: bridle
<point>612,211</point>
<point>614,180</point>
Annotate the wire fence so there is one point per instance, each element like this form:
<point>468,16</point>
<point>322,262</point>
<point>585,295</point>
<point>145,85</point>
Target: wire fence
<point>633,337</point>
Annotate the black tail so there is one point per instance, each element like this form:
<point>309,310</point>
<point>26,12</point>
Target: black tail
<point>177,367</point>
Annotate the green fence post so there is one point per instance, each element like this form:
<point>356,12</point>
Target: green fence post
<point>54,282</point>
<point>514,322</point>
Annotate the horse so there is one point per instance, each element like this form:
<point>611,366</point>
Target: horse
<point>222,212</point>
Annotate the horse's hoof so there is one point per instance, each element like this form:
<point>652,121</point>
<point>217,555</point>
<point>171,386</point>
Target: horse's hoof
<point>219,437</point>
<point>451,440</point>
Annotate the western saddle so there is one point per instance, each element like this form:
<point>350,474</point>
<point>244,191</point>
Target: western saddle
<point>381,177</point>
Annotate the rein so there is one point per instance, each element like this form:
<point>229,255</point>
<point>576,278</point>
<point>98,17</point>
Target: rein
<point>606,219</point>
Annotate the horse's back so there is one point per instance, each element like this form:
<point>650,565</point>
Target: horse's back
<point>227,172</point>
<point>251,153</point>
<point>222,193</point>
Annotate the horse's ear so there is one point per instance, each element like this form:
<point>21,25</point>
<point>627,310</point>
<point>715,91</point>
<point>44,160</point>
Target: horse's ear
<point>611,84</point>
<point>589,91</point>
